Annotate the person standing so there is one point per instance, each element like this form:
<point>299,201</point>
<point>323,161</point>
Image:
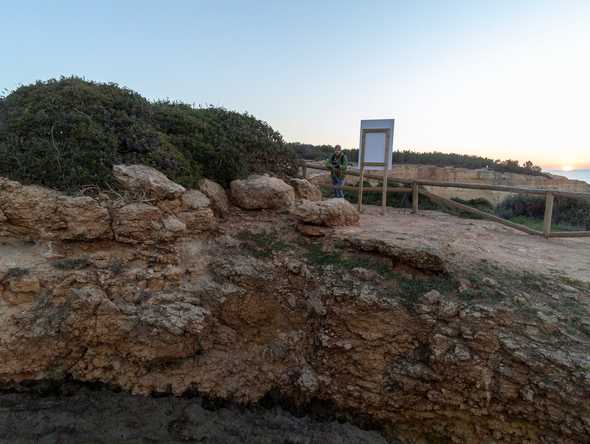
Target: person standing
<point>337,163</point>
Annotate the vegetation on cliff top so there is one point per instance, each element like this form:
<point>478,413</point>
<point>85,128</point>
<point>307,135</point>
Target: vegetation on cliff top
<point>67,134</point>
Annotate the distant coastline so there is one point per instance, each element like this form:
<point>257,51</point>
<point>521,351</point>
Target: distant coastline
<point>573,174</point>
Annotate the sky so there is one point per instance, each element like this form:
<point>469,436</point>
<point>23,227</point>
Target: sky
<point>501,79</point>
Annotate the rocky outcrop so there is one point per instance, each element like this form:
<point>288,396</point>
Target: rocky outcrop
<point>241,316</point>
<point>332,213</point>
<point>145,179</point>
<point>262,192</point>
<point>389,330</point>
<point>304,189</point>
<point>34,212</point>
<point>216,195</point>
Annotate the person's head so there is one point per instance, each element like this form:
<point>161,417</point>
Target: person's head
<point>337,149</point>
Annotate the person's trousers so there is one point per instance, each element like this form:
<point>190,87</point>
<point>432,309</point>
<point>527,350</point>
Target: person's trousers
<point>337,184</point>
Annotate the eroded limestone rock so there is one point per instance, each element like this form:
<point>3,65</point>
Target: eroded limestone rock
<point>142,178</point>
<point>262,192</point>
<point>331,212</point>
<point>143,223</point>
<point>304,189</point>
<point>195,200</point>
<point>34,212</point>
<point>217,196</point>
<point>198,220</point>
<point>377,330</point>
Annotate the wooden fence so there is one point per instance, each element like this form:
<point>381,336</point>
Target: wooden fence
<point>416,187</point>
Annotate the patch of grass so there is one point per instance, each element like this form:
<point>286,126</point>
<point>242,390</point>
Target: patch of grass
<point>538,224</point>
<point>262,244</point>
<point>409,287</point>
<point>482,294</point>
<point>72,264</point>
<point>575,283</point>
<point>317,256</point>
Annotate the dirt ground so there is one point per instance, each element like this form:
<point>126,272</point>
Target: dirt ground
<point>464,242</point>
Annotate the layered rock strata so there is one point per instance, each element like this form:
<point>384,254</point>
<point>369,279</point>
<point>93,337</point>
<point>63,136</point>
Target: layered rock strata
<point>392,334</point>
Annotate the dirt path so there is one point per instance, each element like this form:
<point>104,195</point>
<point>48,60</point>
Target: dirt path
<point>464,242</point>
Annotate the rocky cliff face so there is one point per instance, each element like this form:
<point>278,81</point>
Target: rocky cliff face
<point>159,297</point>
<point>465,175</point>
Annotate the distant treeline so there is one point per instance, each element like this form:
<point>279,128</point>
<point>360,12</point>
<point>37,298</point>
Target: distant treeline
<point>320,152</point>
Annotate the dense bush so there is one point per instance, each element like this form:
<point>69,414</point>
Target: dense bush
<point>318,152</point>
<point>566,211</point>
<point>67,134</point>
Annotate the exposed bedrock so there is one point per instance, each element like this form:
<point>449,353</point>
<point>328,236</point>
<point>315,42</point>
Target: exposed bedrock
<point>254,308</point>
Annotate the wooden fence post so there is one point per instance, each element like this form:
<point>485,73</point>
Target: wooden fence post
<point>415,197</point>
<point>384,192</point>
<point>549,198</point>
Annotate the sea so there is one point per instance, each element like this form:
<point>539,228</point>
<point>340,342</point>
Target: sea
<point>573,174</point>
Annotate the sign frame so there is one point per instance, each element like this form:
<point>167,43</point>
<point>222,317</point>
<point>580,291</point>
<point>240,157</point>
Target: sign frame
<point>379,126</point>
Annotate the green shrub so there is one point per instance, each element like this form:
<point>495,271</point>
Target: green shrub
<point>568,212</point>
<point>67,134</point>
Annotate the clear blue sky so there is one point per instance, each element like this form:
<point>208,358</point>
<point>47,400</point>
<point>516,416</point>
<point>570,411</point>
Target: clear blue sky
<point>497,78</point>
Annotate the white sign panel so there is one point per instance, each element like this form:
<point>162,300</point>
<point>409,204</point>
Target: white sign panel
<point>374,145</point>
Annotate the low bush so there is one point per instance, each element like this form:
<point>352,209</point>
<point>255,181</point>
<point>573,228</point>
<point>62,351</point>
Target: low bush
<point>68,133</point>
<point>567,212</point>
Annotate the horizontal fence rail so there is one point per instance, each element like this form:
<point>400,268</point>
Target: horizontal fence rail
<point>416,188</point>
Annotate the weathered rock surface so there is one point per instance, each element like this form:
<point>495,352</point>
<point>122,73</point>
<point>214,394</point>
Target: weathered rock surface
<point>304,189</point>
<point>312,230</point>
<point>262,192</point>
<point>195,200</point>
<point>376,323</point>
<point>140,222</point>
<point>142,178</point>
<point>38,213</point>
<point>198,220</point>
<point>331,213</point>
<point>217,196</point>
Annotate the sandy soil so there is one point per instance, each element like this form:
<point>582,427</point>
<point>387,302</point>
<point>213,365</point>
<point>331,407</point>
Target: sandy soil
<point>464,242</point>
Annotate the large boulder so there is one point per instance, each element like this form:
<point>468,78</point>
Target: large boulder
<point>331,213</point>
<point>142,178</point>
<point>33,212</point>
<point>304,189</point>
<point>195,200</point>
<point>217,196</point>
<point>260,192</point>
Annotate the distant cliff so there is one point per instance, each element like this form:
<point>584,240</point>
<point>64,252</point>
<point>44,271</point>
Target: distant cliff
<point>480,176</point>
